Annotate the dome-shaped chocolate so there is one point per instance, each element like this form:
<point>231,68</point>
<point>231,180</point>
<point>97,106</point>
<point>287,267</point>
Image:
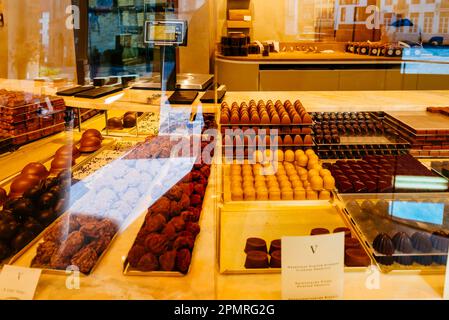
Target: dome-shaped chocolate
<point>421,242</point>
<point>129,113</point>
<point>129,121</point>
<point>61,163</point>
<point>440,259</point>
<point>36,169</point>
<point>423,260</point>
<point>402,242</point>
<point>383,244</point>
<point>92,133</point>
<point>382,208</point>
<point>4,250</point>
<point>404,260</point>
<point>353,207</point>
<point>21,184</point>
<point>3,196</point>
<point>440,241</point>
<point>90,144</point>
<point>367,206</point>
<point>68,151</point>
<point>115,123</point>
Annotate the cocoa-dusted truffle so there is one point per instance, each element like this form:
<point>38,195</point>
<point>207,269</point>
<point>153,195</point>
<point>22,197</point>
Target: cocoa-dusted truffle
<point>183,259</point>
<point>135,254</point>
<point>276,259</point>
<point>167,261</point>
<point>156,243</point>
<point>421,242</point>
<point>148,262</point>
<point>184,242</point>
<point>154,223</point>
<point>256,244</point>
<point>402,242</point>
<point>85,259</point>
<point>440,241</point>
<point>256,260</point>
<point>383,244</point>
<point>178,223</point>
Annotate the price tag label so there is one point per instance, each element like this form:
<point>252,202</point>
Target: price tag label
<point>247,18</point>
<point>17,283</point>
<point>313,267</point>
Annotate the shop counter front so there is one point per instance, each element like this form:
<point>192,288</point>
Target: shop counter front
<point>331,71</point>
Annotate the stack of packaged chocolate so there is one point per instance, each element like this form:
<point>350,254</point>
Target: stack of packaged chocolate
<point>26,117</point>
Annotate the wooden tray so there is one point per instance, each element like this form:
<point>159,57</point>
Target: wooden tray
<point>236,225</point>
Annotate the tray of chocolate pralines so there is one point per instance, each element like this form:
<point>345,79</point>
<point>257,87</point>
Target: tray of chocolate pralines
<point>164,244</point>
<point>352,135</point>
<point>263,114</point>
<point>258,257</point>
<point>74,241</point>
<point>386,174</point>
<point>28,211</point>
<point>395,244</point>
<point>250,237</point>
<point>147,124</point>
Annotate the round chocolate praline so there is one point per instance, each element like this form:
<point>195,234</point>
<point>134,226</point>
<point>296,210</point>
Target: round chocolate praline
<point>356,258</point>
<point>319,231</point>
<point>256,244</point>
<point>276,259</point>
<point>256,260</point>
<point>276,245</point>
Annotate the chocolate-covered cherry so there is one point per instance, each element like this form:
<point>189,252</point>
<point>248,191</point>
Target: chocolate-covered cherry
<point>46,217</point>
<point>21,240</point>
<point>23,208</point>
<point>33,226</point>
<point>47,200</point>
<point>34,193</point>
<point>8,229</point>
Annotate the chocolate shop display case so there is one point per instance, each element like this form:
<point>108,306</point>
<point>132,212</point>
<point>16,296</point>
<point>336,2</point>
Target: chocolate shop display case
<point>402,232</point>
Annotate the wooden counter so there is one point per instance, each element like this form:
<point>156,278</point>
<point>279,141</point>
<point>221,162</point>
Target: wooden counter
<point>334,57</point>
<point>204,280</point>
